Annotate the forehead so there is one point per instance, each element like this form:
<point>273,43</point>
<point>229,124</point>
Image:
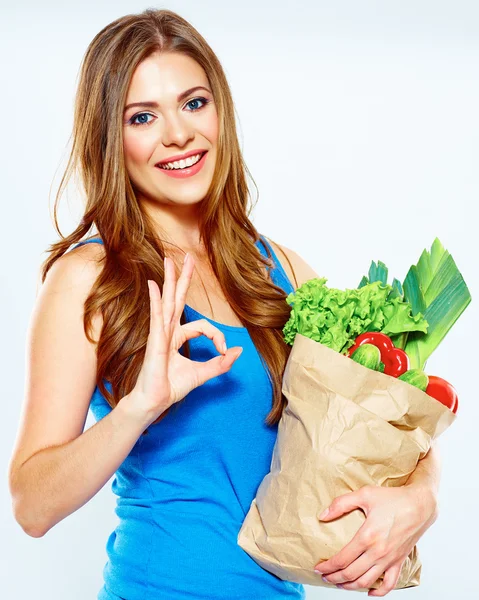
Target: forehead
<point>164,76</point>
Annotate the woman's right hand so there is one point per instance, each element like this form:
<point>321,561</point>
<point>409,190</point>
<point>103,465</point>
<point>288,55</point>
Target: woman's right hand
<point>166,376</point>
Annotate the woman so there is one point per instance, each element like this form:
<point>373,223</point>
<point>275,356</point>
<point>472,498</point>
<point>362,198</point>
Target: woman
<point>187,425</point>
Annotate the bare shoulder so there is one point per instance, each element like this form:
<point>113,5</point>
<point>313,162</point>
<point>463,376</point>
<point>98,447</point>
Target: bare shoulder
<point>93,251</point>
<point>296,268</point>
<point>82,264</point>
<point>75,271</point>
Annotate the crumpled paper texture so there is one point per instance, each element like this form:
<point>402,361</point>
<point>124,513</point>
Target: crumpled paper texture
<point>345,426</point>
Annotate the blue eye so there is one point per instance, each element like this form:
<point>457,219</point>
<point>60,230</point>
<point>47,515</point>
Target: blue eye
<point>204,100</point>
<point>132,120</point>
<point>146,114</point>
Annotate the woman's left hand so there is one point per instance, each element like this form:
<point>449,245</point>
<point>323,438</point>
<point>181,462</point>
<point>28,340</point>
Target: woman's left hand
<point>396,517</point>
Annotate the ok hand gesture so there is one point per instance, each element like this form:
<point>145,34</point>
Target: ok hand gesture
<point>166,376</point>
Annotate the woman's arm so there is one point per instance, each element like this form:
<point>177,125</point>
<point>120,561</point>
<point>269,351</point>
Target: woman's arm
<point>56,466</point>
<point>427,474</point>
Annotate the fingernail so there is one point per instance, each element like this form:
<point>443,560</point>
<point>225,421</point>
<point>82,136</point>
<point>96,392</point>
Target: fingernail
<point>241,350</point>
<point>224,347</point>
<point>339,585</point>
<point>186,257</point>
<point>324,514</point>
<point>324,579</point>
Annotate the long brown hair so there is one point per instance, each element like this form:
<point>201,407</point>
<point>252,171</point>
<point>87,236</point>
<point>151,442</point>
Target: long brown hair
<point>133,251</point>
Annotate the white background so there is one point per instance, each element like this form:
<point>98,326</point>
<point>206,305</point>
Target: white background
<point>359,123</point>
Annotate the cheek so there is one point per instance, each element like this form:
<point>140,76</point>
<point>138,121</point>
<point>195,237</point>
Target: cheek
<point>211,127</point>
<point>137,148</point>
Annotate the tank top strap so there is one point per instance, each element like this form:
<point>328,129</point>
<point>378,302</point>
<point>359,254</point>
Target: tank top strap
<point>94,239</point>
<point>278,274</point>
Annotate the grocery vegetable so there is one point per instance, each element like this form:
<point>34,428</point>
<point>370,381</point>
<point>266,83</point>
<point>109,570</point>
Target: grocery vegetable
<point>379,272</point>
<point>435,288</point>
<point>336,317</point>
<point>367,355</point>
<point>380,340</point>
<point>396,361</point>
<point>443,391</point>
<point>416,377</point>
<point>392,329</point>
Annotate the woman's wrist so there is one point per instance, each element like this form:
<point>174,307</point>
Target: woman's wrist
<point>134,411</point>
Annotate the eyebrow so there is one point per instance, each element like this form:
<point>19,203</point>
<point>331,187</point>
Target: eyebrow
<point>152,104</point>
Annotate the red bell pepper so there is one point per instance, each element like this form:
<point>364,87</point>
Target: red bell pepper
<point>396,361</point>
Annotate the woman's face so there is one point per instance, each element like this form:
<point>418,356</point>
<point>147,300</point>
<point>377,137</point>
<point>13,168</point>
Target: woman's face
<point>166,125</point>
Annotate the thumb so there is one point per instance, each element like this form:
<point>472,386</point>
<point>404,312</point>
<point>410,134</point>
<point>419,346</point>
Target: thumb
<point>340,505</point>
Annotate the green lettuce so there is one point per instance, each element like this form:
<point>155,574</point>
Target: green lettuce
<point>336,317</point>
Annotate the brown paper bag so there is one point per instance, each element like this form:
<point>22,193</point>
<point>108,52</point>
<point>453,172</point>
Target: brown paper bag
<point>345,426</point>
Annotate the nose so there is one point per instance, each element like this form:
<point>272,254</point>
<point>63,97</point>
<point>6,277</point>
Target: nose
<point>176,130</point>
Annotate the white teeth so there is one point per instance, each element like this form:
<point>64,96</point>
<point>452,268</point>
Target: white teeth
<point>190,161</point>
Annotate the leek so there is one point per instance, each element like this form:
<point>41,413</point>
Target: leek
<point>435,288</point>
<point>379,272</point>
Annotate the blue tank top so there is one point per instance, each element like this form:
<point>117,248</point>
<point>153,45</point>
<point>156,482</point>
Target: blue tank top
<point>184,490</point>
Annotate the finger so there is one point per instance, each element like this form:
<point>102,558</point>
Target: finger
<point>218,365</point>
<point>194,329</point>
<point>343,504</point>
<point>169,291</point>
<point>339,506</point>
<point>366,580</point>
<point>355,570</point>
<point>156,343</point>
<point>183,285</point>
<point>390,580</point>
<point>344,557</point>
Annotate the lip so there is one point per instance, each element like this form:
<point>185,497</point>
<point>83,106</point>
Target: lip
<point>184,173</point>
<point>181,156</point>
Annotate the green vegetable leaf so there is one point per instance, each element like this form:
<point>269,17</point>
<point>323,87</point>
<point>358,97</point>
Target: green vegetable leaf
<point>398,318</point>
<point>397,291</point>
<point>400,340</point>
<point>364,281</point>
<point>436,288</point>
<point>336,317</point>
<point>378,272</point>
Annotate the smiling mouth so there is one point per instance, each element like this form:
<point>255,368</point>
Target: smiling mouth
<point>165,166</point>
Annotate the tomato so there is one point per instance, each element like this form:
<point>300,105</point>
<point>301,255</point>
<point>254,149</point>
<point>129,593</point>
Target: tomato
<point>442,390</point>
